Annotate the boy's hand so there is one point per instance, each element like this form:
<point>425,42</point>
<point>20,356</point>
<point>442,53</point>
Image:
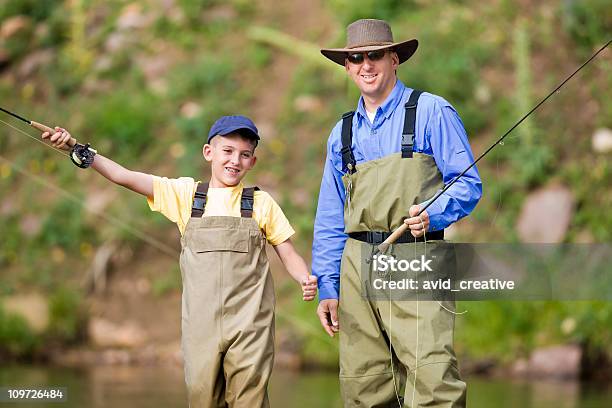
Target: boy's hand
<point>309,287</point>
<point>328,315</point>
<point>61,139</point>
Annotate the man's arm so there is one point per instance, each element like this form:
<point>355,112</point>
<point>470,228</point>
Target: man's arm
<point>453,154</point>
<point>296,266</point>
<point>138,182</point>
<point>329,240</point>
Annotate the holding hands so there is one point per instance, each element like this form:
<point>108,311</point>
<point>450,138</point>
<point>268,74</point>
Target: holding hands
<point>309,287</point>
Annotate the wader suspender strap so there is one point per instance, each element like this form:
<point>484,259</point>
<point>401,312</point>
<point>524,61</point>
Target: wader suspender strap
<point>409,120</point>
<point>246,201</point>
<point>199,200</point>
<point>348,160</point>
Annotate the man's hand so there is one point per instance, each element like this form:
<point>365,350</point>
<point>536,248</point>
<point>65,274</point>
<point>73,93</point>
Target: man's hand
<point>418,225</point>
<point>309,287</point>
<point>60,139</point>
<point>328,314</point>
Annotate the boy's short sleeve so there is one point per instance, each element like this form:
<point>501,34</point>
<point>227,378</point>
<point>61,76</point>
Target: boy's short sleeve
<point>274,223</point>
<point>173,198</point>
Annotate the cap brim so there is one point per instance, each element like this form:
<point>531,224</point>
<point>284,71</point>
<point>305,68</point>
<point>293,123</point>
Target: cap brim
<point>404,51</point>
<point>243,131</point>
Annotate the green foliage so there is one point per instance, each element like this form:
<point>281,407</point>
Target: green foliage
<point>16,338</point>
<point>66,315</point>
<point>167,283</point>
<point>589,22</point>
<point>128,120</point>
<point>348,11</point>
<point>455,75</point>
<point>510,329</point>
<point>36,9</point>
<point>65,226</point>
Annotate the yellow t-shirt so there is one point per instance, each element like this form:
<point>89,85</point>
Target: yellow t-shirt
<point>174,197</point>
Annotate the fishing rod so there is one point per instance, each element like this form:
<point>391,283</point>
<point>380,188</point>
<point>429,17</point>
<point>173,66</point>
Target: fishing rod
<point>36,125</point>
<point>81,155</point>
<point>382,248</point>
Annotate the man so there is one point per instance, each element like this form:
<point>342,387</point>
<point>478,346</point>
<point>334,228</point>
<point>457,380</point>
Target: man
<point>385,161</point>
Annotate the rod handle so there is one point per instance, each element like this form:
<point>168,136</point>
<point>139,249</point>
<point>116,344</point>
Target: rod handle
<point>45,128</point>
<point>393,237</point>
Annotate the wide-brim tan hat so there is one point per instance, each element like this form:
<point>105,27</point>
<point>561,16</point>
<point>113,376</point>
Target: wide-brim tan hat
<point>369,35</point>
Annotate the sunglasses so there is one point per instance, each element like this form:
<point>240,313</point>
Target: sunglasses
<point>359,57</point>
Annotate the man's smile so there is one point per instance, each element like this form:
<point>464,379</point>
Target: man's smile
<point>369,78</point>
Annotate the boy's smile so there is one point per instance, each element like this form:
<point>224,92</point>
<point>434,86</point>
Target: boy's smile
<point>231,157</point>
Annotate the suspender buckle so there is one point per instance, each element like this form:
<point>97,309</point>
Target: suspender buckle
<point>198,203</point>
<point>407,138</point>
<point>247,204</point>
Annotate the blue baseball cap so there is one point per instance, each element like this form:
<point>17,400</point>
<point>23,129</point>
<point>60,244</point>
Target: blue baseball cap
<point>234,124</point>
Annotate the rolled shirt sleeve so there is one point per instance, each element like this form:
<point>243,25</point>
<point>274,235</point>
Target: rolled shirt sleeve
<point>452,153</point>
<point>329,236</point>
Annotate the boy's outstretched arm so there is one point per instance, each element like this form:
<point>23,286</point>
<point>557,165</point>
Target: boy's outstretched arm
<point>296,266</point>
<point>138,182</point>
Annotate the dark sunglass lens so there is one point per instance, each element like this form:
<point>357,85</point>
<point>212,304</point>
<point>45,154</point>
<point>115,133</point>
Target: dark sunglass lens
<point>376,55</point>
<point>356,58</point>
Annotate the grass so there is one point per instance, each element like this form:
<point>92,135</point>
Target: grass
<point>484,60</point>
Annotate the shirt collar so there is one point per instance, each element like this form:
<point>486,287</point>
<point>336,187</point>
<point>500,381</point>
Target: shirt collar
<point>388,106</point>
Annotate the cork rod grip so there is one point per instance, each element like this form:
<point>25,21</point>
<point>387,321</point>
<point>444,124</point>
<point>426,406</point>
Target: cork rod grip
<point>45,128</point>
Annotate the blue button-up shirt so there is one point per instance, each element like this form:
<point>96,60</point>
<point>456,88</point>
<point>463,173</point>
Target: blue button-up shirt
<point>438,132</point>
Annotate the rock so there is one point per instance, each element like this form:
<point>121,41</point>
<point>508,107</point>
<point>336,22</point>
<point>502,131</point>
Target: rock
<point>32,62</point>
<point>222,12</point>
<point>116,42</point>
<point>106,334</point>
<point>546,215</point>
<point>30,225</point>
<point>190,110</point>
<point>520,368</point>
<point>177,150</point>
<point>287,360</point>
<point>132,18</point>
<point>560,362</point>
<point>307,103</point>
<point>4,58</point>
<point>98,200</point>
<point>156,66</point>
<point>602,140</point>
<point>266,129</point>
<point>8,207</point>
<point>300,197</point>
<point>34,308</point>
<point>12,26</point>
<point>96,275</point>
<point>115,357</point>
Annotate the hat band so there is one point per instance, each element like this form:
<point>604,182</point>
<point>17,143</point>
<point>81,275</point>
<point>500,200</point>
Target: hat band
<point>369,44</point>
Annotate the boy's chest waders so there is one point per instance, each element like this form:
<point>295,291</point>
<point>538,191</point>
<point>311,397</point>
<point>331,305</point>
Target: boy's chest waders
<point>227,308</point>
<point>379,194</point>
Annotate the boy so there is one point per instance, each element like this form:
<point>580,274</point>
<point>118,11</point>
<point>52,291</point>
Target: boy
<point>228,295</point>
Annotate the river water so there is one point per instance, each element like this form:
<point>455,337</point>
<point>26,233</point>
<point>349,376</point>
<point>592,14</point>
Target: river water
<point>140,387</point>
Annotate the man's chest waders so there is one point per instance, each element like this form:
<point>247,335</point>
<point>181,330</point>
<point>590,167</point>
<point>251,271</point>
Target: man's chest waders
<point>227,308</point>
<point>379,194</point>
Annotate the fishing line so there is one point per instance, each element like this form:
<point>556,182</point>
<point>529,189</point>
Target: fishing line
<point>166,249</point>
<point>34,138</point>
<point>395,234</point>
